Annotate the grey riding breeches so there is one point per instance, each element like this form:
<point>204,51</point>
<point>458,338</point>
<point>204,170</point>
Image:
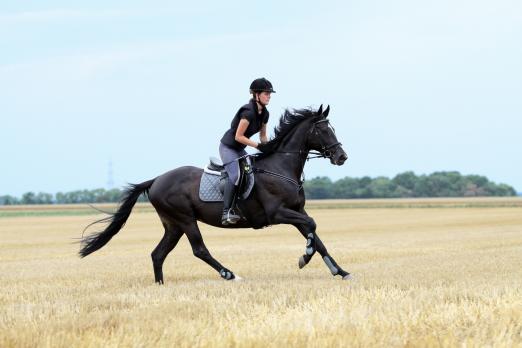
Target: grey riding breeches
<point>229,157</point>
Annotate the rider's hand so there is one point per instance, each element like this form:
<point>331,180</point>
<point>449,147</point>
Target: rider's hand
<point>263,147</point>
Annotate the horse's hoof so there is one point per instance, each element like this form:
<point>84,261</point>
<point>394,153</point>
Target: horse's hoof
<point>348,277</point>
<point>302,262</point>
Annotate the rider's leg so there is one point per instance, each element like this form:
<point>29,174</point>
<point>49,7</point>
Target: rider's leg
<point>229,216</point>
<point>229,156</point>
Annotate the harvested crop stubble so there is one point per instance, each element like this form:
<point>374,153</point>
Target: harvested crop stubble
<point>425,276</point>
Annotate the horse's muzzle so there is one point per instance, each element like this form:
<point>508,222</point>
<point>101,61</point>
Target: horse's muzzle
<point>339,157</point>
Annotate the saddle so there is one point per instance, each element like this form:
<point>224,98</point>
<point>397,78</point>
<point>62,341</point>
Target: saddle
<point>212,182</point>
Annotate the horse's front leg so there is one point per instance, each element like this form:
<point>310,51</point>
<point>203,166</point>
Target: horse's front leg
<point>306,225</point>
<point>311,245</point>
<point>335,269</point>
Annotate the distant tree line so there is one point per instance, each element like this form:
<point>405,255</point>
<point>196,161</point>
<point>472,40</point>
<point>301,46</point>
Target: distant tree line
<point>80,196</point>
<point>407,184</point>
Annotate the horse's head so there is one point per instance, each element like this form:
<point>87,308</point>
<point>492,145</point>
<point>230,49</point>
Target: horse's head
<point>321,138</point>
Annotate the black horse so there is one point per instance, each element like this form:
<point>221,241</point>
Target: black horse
<point>277,197</point>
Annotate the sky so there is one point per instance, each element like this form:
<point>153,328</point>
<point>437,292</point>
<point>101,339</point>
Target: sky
<point>145,87</point>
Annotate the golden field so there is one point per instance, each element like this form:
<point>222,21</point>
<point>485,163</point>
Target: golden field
<point>427,273</point>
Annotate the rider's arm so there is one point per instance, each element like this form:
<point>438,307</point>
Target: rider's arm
<point>262,133</point>
<point>240,133</point>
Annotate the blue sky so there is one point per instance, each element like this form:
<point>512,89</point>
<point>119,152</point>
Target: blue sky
<point>413,85</point>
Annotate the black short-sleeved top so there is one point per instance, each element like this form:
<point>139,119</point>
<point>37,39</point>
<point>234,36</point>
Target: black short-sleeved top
<point>256,120</point>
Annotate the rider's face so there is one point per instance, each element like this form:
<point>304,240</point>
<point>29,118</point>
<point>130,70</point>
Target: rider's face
<point>264,98</point>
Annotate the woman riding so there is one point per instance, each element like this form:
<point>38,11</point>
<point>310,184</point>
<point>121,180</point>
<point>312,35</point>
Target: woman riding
<point>250,119</point>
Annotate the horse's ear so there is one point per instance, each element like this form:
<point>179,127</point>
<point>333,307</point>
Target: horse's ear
<point>320,111</point>
<point>327,111</point>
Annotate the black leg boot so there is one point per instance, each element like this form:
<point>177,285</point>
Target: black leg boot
<point>229,216</point>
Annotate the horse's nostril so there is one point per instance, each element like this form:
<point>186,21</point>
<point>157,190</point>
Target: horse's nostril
<point>342,159</point>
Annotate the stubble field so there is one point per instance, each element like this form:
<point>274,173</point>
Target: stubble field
<point>427,273</point>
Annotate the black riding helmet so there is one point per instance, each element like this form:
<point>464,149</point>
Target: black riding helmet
<point>261,85</point>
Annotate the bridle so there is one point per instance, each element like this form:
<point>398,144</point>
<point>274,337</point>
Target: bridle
<point>326,150</point>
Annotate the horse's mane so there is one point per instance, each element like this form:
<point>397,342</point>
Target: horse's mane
<point>287,122</point>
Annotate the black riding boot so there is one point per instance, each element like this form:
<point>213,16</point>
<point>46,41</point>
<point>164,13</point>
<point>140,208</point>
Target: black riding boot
<point>229,216</point>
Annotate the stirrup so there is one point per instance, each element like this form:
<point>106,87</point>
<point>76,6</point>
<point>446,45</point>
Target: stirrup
<point>229,217</point>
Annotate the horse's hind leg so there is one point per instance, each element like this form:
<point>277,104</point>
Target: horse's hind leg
<point>200,250</point>
<point>165,246</point>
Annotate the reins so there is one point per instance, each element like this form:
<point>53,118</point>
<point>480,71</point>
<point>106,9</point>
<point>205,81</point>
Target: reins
<point>325,152</point>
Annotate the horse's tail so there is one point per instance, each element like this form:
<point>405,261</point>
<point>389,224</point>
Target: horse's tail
<point>97,240</point>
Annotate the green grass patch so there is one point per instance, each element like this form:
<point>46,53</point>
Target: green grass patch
<point>75,210</point>
<point>58,212</point>
<point>409,205</point>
